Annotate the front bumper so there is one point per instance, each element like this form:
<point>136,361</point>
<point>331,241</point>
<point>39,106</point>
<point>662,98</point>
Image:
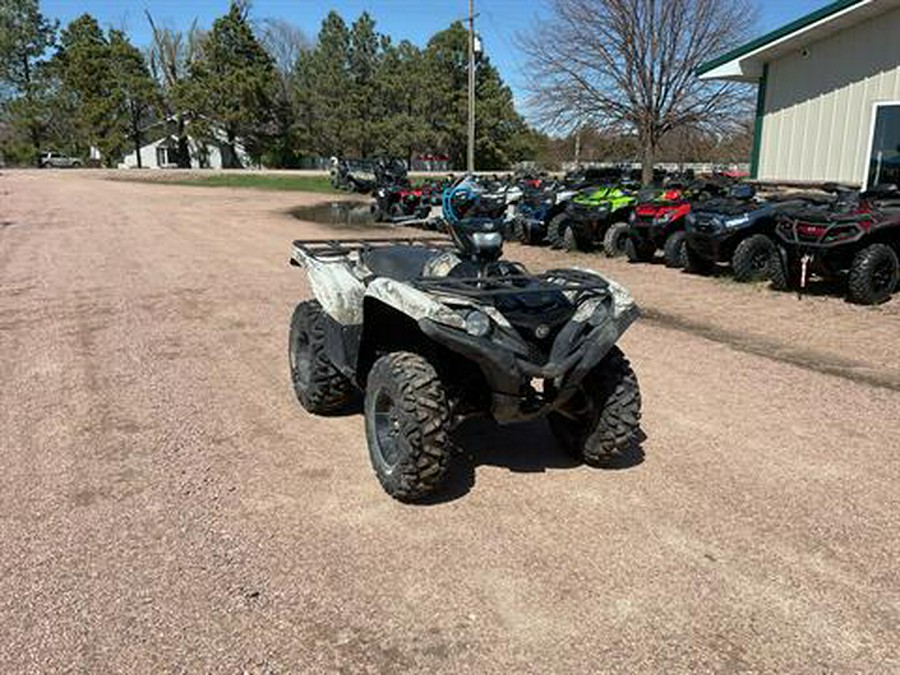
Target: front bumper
<point>715,245</point>
<point>511,376</point>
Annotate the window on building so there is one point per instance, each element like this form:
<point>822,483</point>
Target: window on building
<point>884,158</point>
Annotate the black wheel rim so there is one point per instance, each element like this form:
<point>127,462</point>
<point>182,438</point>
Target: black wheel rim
<point>387,430</point>
<point>620,242</point>
<point>883,276</point>
<point>760,260</point>
<point>301,353</point>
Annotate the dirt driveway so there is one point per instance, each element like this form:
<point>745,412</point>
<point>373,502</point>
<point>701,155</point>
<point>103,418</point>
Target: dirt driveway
<point>165,504</point>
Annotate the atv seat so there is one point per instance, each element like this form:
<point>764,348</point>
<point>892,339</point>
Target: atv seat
<point>401,263</point>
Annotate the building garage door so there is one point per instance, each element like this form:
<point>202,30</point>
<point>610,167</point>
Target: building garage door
<point>884,155</point>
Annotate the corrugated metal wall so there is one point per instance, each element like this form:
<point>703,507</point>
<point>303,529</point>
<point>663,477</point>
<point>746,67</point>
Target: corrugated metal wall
<point>819,103</point>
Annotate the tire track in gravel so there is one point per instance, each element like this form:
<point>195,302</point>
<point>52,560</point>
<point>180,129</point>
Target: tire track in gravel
<point>809,359</point>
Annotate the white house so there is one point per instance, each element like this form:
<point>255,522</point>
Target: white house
<point>206,153</point>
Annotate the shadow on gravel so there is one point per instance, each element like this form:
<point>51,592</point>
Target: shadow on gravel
<point>528,447</point>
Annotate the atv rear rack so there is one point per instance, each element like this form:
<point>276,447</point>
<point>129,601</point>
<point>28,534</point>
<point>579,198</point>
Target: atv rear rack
<point>329,250</point>
<point>560,280</point>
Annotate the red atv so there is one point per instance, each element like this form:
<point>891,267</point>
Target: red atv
<point>658,223</point>
<point>858,237</point>
<point>395,199</point>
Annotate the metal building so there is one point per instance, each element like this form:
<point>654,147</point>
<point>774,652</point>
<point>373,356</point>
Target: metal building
<point>828,103</point>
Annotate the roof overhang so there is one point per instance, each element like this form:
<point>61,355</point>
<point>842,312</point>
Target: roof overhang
<point>745,63</point>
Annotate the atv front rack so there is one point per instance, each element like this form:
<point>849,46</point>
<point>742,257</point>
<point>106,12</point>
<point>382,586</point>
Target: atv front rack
<point>559,280</point>
<point>824,233</point>
<point>329,250</point>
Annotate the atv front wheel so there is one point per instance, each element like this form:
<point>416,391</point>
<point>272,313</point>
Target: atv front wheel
<point>873,275</point>
<point>615,239</point>
<point>673,250</point>
<point>785,271</point>
<point>696,263</point>
<point>407,425</point>
<point>555,230</point>
<point>570,241</point>
<point>638,251</point>
<point>320,387</point>
<point>754,258</point>
<point>602,421</point>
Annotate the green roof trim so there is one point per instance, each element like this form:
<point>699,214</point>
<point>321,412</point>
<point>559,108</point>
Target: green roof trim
<point>777,34</point>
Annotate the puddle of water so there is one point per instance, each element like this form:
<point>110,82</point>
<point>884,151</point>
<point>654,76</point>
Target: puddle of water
<point>346,214</point>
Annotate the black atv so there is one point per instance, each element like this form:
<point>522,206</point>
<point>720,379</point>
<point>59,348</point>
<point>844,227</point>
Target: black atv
<point>437,330</point>
<point>857,238</point>
<point>739,229</point>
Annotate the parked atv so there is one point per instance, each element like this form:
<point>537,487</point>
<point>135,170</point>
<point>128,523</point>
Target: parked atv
<point>395,199</point>
<point>352,175</point>
<point>434,331</point>
<point>536,209</point>
<point>659,219</point>
<point>589,216</point>
<point>469,198</point>
<point>739,229</point>
<point>857,238</point>
<point>541,209</point>
<point>657,222</point>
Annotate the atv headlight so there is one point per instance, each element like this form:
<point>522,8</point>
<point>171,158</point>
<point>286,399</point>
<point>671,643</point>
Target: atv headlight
<point>478,324</point>
<point>487,240</point>
<point>632,217</point>
<point>735,223</point>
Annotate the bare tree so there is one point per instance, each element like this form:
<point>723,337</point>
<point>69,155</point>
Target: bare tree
<point>170,56</point>
<point>284,42</point>
<point>628,67</point>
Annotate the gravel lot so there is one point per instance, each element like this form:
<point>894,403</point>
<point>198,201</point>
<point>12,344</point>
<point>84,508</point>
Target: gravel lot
<point>166,505</point>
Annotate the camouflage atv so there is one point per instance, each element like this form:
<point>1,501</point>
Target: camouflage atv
<point>433,331</point>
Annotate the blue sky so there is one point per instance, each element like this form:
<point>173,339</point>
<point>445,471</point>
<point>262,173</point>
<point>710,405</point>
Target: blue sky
<point>415,20</point>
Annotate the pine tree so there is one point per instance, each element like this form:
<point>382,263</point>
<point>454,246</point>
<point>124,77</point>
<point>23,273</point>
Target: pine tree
<point>138,92</point>
<point>232,85</point>
<point>25,36</point>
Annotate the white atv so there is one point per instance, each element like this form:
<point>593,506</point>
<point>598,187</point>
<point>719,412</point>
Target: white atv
<point>437,330</point>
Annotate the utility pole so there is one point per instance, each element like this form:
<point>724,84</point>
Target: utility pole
<point>578,146</point>
<point>470,155</point>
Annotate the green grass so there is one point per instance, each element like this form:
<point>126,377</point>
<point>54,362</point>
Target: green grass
<point>249,180</point>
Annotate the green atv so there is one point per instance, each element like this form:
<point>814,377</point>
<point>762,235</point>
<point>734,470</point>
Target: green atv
<point>596,215</point>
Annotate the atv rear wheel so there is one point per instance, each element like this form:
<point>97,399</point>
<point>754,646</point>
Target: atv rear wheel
<point>673,251</point>
<point>555,230</point>
<point>754,258</point>
<point>696,263</point>
<point>615,239</point>
<point>639,251</point>
<point>407,425</point>
<point>602,421</point>
<point>320,387</point>
<point>874,274</point>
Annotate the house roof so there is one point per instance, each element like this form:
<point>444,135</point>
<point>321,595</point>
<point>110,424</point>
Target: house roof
<point>745,63</point>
